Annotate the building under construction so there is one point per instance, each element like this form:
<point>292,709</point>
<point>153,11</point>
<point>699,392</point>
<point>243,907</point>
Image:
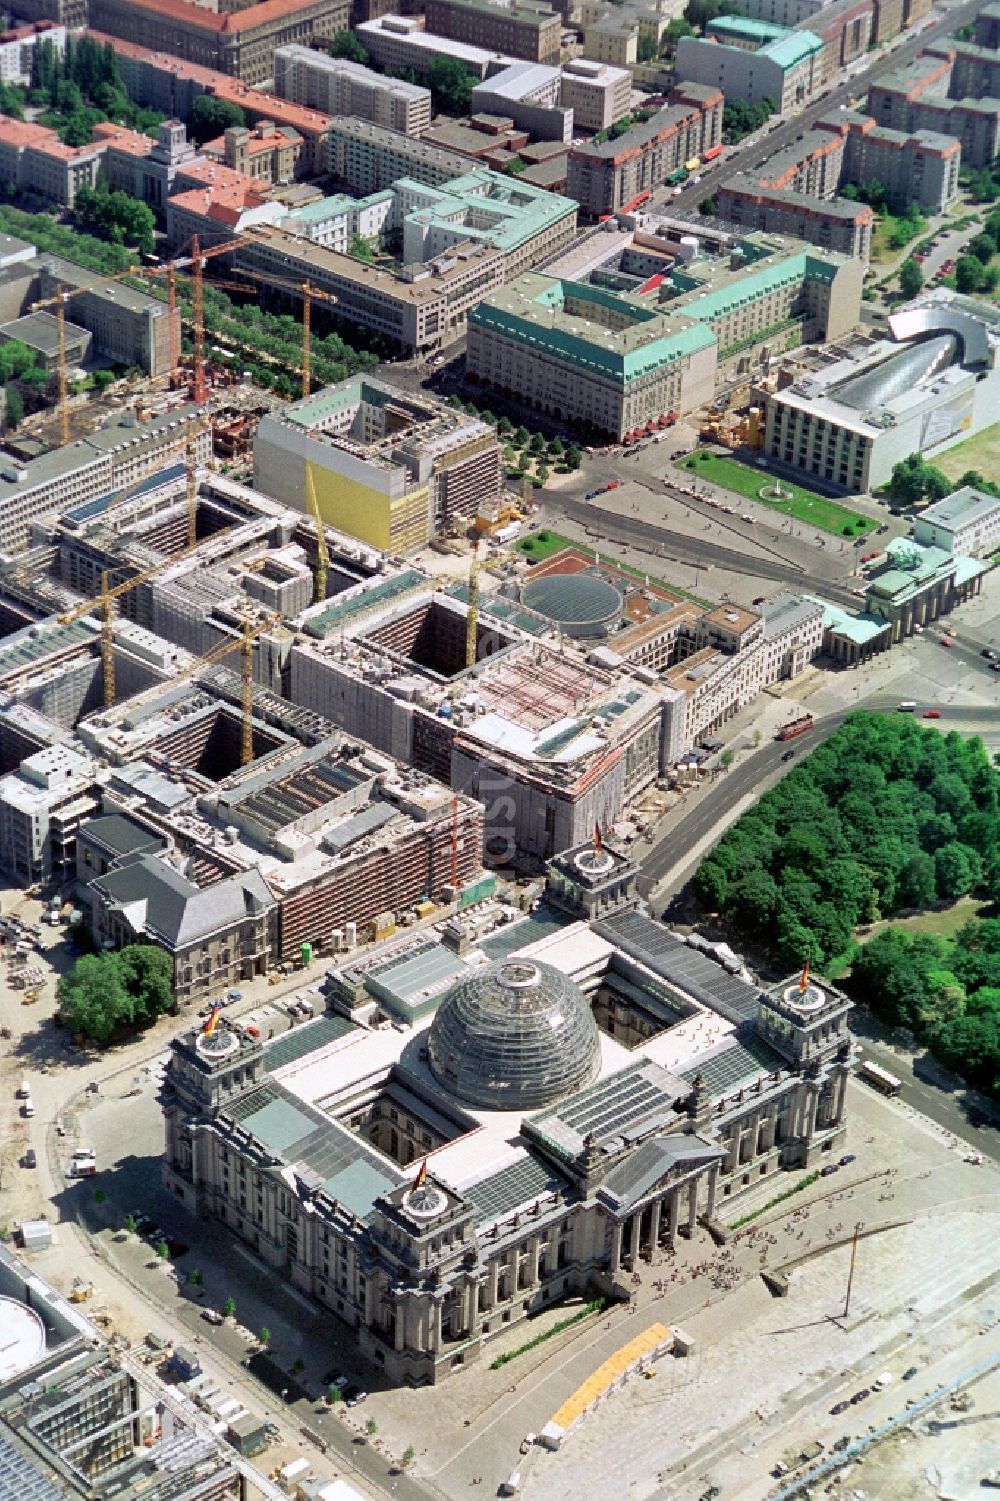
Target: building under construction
<point>80,1419</point>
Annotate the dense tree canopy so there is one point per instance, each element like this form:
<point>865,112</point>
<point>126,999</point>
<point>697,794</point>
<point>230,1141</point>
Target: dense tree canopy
<point>105,995</point>
<point>913,480</point>
<point>887,814</point>
<point>115,216</point>
<point>946,991</point>
<point>209,117</point>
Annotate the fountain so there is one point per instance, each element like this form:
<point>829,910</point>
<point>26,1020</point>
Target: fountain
<point>775,492</point>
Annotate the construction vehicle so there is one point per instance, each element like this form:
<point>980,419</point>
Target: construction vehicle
<point>81,1291</point>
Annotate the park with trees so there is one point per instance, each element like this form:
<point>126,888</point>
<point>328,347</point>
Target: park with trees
<point>109,996</point>
<point>887,817</point>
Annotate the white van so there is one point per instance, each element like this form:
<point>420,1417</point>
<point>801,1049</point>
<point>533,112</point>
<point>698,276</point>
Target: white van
<point>24,1089</point>
<point>28,1108</point>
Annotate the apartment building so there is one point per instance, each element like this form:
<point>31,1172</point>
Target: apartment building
<point>813,165</point>
<point>164,82</point>
<point>397,42</point>
<point>920,168</point>
<point>338,87</point>
<point>368,158</point>
<point>597,93</point>
<point>531,31</point>
<point>34,160</point>
<point>386,467</point>
<point>916,98</point>
<point>17,47</point>
<point>69,13</point>
<point>238,43</point>
<point>267,153</point>
<point>611,175</point>
<point>128,326</point>
<point>612,41</point>
<point>420,308</point>
<point>835,224</point>
<point>754,60</point>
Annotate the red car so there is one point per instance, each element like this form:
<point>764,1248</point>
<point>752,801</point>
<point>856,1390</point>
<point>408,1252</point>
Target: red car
<point>946,642</point>
<point>932,713</point>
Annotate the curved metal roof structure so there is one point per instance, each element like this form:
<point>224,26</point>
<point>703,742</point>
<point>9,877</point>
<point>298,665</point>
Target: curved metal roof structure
<point>898,372</point>
<point>513,1036</point>
<point>584,604</point>
<point>937,318</point>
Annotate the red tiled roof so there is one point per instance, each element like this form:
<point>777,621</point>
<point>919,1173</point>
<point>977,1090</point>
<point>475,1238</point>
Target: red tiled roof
<point>132,141</point>
<point>266,12</point>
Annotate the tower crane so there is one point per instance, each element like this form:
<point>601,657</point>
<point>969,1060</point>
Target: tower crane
<point>322,552</point>
<point>244,644</point>
<point>472,619</point>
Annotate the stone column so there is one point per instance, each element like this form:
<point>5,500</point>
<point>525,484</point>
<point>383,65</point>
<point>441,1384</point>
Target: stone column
<point>435,1330</point>
<point>841,1098</point>
<point>636,1235</point>
<point>692,1206</point>
<point>494,1280</point>
<point>400,1339</point>
<point>654,1225</point>
<point>673,1209</point>
<point>615,1260</point>
<point>713,1184</point>
<point>534,1253</point>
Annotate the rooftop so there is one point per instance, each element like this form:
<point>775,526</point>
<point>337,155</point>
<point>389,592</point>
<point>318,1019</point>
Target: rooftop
<point>962,507</point>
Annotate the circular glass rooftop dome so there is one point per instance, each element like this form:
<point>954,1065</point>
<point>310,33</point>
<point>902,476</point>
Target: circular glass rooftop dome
<point>581,604</point>
<point>514,1036</point>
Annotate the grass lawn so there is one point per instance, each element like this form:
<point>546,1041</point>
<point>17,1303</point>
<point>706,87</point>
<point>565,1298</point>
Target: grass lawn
<point>537,546</point>
<point>942,922</point>
<point>981,452</point>
<point>815,510</point>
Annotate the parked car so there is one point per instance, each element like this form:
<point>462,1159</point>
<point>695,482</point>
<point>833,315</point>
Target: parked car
<point>838,1408</point>
<point>989,654</point>
<point>212,1316</point>
<point>353,1395</point>
<point>932,714</point>
<point>788,755</point>
<point>848,1158</point>
<point>831,1167</point>
<point>946,642</point>
<point>30,1159</point>
<point>909,1373</point>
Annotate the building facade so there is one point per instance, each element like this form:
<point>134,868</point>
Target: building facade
<point>753,61</point>
<point>368,158</point>
<point>338,87</point>
<point>531,31</point>
<point>611,175</point>
<point>965,523</point>
<point>425,1268</point>
<point>836,224</point>
<point>240,43</point>
<point>596,92</point>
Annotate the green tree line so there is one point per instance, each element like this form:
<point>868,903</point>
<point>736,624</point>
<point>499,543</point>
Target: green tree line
<point>885,815</point>
<point>105,996</point>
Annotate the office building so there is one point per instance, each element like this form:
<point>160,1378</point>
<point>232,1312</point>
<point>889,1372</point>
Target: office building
<point>527,29</point>
<point>966,523</point>
<point>268,153</point>
<point>318,81</point>
<point>39,332</point>
<point>111,458</point>
<point>646,1091</point>
<point>614,175</point>
<point>918,98</point>
<point>419,308</point>
<point>930,384</point>
<point>384,466</point>
<point>240,43</point>
<point>753,61</point>
<point>128,326</point>
<point>34,160</point>
<point>396,42</point>
<point>527,93</point>
<point>597,93</point>
<point>41,807</point>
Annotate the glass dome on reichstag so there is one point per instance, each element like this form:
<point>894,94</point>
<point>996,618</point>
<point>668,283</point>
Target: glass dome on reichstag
<point>514,1036</point>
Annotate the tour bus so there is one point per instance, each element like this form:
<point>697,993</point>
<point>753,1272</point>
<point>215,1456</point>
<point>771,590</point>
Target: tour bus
<point>879,1078</point>
<point>907,705</point>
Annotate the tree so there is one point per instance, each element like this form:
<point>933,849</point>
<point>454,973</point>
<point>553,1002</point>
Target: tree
<point>913,480</point>
<point>334,1394</point>
<point>196,1277</point>
<point>676,28</point>
<point>911,278</point>
<point>130,1224</point>
<point>968,274</point>
<point>14,415</point>
<point>371,1427</point>
<point>953,871</point>
<point>361,248</point>
<point>537,444</point>
<point>345,44</point>
<point>92,999</point>
<point>983,247</point>
<point>918,881</point>
<point>450,84</point>
<point>147,973</point>
<point>298,1366</point>
<point>210,116</point>
<point>229,1308</point>
<point>574,456</point>
<point>264,1336</point>
<point>162,1250</point>
<point>100,1197</point>
<point>409,1455</point>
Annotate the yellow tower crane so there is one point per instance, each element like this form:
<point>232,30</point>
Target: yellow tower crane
<point>322,552</point>
<point>472,619</point>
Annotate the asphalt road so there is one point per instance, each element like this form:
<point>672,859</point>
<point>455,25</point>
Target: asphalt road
<point>755,154</point>
<point>711,809</point>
